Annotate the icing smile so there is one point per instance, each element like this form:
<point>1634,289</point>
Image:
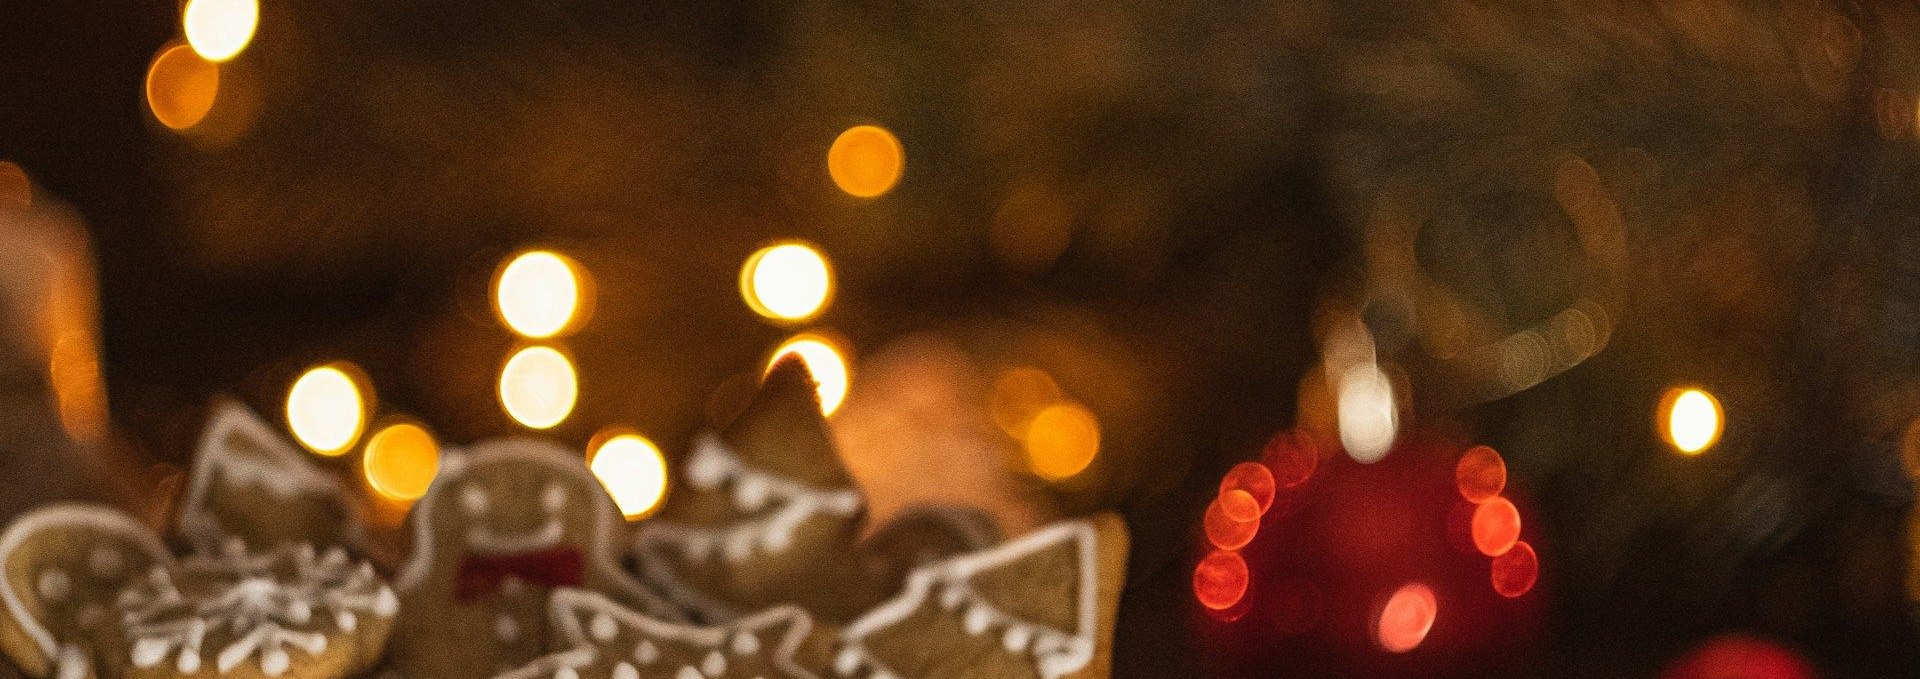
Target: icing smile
<point>484,540</point>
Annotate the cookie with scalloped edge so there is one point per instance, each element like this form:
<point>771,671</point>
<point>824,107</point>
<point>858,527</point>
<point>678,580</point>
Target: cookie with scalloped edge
<point>1040,606</point>
<point>604,640</point>
<point>60,569</point>
<point>250,482</point>
<point>506,522</point>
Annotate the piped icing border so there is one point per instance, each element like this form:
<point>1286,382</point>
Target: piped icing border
<point>568,607</point>
<point>288,474</point>
<point>97,517</point>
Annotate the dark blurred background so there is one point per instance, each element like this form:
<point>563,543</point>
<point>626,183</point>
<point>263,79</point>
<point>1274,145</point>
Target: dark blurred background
<point>1542,215</point>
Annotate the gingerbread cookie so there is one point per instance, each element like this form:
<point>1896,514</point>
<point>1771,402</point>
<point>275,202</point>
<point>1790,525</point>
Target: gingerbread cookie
<point>1039,606</point>
<point>250,482</point>
<point>60,568</point>
<point>767,515</point>
<point>504,523</point>
<point>233,615</point>
<point>603,639</point>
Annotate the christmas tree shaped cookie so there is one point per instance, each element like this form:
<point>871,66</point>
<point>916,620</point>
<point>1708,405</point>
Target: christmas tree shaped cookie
<point>604,640</point>
<point>61,567</point>
<point>1040,606</point>
<point>249,482</point>
<point>503,525</point>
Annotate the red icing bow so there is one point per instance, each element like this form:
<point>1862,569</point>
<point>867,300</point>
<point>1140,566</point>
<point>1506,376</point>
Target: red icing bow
<point>481,574</point>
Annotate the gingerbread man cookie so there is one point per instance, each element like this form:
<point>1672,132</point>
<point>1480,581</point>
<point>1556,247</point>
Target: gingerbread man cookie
<point>60,569</point>
<point>1039,606</point>
<point>250,482</point>
<point>604,640</point>
<point>505,523</point>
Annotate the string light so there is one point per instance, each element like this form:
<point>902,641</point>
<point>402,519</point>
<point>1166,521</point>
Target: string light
<point>220,29</point>
<point>1220,580</point>
<point>1693,420</point>
<point>538,387</point>
<point>1480,474</point>
<point>1255,480</point>
<point>326,409</point>
<point>787,282</point>
<point>1515,572</point>
<point>1062,440</point>
<point>538,293</point>
<point>1407,618</point>
<point>1496,526</point>
<point>400,461</point>
<point>181,87</point>
<point>1368,420</point>
<point>633,471</point>
<point>824,361</point>
<point>865,161</point>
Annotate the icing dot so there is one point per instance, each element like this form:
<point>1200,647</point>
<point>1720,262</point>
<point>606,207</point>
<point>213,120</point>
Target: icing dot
<point>566,673</point>
<point>847,662</point>
<point>234,547</point>
<point>553,497</point>
<point>72,663</point>
<point>274,661</point>
<point>346,621</point>
<point>603,627</point>
<point>300,611</point>
<point>978,618</point>
<point>625,671</point>
<point>54,584</point>
<point>385,603</point>
<point>646,653</point>
<point>714,665</point>
<point>106,562</point>
<point>705,471</point>
<point>738,546</point>
<point>1017,638</point>
<point>188,662</point>
<point>149,652</point>
<point>687,673</point>
<point>750,493</point>
<point>777,540</point>
<point>951,597</point>
<point>745,644</point>
<point>505,629</point>
<point>473,499</point>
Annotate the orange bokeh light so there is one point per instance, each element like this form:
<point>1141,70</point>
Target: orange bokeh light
<point>1515,571</point>
<point>1220,581</point>
<point>1407,618</point>
<point>1254,479</point>
<point>181,86</point>
<point>865,161</point>
<point>1480,474</point>
<point>1291,457</point>
<point>1239,505</point>
<point>1062,440</point>
<point>1496,526</point>
<point>1222,529</point>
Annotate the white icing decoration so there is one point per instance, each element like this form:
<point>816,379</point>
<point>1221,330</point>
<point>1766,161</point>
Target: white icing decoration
<point>687,672</point>
<point>474,500</point>
<point>346,621</point>
<point>745,643</point>
<point>646,652</point>
<point>72,663</point>
<point>625,671</point>
<point>603,627</point>
<point>54,585</point>
<point>978,618</point>
<point>483,539</point>
<point>505,628</point>
<point>750,493</point>
<point>274,466</point>
<point>106,562</point>
<point>114,524</point>
<point>714,664</point>
<point>950,597</point>
<point>149,652</point>
<point>566,673</point>
<point>553,498</point>
<point>578,615</point>
<point>1017,638</point>
<point>847,661</point>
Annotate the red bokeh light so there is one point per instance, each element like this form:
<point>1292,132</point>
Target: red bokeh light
<point>1292,457</point>
<point>1515,571</point>
<point>1222,530</point>
<point>1407,617</point>
<point>1496,526</point>
<point>1252,477</point>
<point>1480,474</point>
<point>1220,580</point>
<point>1239,505</point>
<point>1737,656</point>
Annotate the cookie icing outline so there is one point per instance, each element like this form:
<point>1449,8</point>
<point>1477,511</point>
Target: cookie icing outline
<point>290,474</point>
<point>1055,652</point>
<point>568,606</point>
<point>99,517</point>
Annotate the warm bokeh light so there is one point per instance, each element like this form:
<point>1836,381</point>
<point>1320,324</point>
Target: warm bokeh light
<point>1496,526</point>
<point>1254,479</point>
<point>538,293</point>
<point>326,409</point>
<point>787,282</point>
<point>1232,520</point>
<point>825,362</point>
<point>1515,571</point>
<point>865,161</point>
<point>1220,581</point>
<point>1368,419</point>
<point>1737,656</point>
<point>1407,617</point>
<point>1480,474</point>
<point>1018,394</point>
<point>1292,457</point>
<point>181,87</point>
<point>80,392</point>
<point>633,471</point>
<point>538,387</point>
<point>1693,420</point>
<point>16,189</point>
<point>1062,440</point>
<point>401,460</point>
<point>219,29</point>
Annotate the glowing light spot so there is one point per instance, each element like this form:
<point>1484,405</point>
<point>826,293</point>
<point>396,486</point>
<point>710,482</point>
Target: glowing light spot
<point>1220,581</point>
<point>538,387</point>
<point>1252,478</point>
<point>1407,618</point>
<point>787,282</point>
<point>1496,526</point>
<point>79,391</point>
<point>1480,474</point>
<point>401,460</point>
<point>1693,421</point>
<point>865,161</point>
<point>16,189</point>
<point>219,29</point>
<point>181,87</point>
<point>1223,527</point>
<point>1737,656</point>
<point>1062,440</point>
<point>325,409</point>
<point>1515,571</point>
<point>633,471</point>
<point>1292,457</point>
<point>1017,395</point>
<point>824,361</point>
<point>1368,419</point>
<point>538,293</point>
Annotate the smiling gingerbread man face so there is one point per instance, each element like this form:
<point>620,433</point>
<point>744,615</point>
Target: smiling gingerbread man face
<point>502,526</point>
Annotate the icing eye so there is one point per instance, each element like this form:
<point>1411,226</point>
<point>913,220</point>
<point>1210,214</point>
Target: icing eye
<point>54,584</point>
<point>554,497</point>
<point>474,500</point>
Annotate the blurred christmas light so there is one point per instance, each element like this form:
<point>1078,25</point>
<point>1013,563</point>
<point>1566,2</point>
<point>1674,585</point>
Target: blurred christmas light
<point>1496,526</point>
<point>1292,457</point>
<point>1368,419</point>
<point>16,189</point>
<point>1018,394</point>
<point>787,282</point>
<point>1062,440</point>
<point>1407,617</point>
<point>538,387</point>
<point>181,87</point>
<point>400,461</point>
<point>1232,520</point>
<point>824,361</point>
<point>220,29</point>
<point>1480,474</point>
<point>1220,580</point>
<point>538,293</point>
<point>326,409</point>
<point>1693,419</point>
<point>1515,571</point>
<point>1255,480</point>
<point>1736,656</point>
<point>633,471</point>
<point>73,367</point>
<point>865,161</point>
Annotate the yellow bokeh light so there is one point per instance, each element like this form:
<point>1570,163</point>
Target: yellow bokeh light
<point>865,161</point>
<point>788,282</point>
<point>1693,420</point>
<point>219,29</point>
<point>401,460</point>
<point>538,387</point>
<point>538,293</point>
<point>824,361</point>
<point>326,409</point>
<point>633,471</point>
<point>181,87</point>
<point>1062,440</point>
<point>1019,394</point>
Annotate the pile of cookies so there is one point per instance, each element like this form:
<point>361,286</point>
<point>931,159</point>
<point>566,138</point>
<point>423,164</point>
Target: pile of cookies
<point>520,567</point>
